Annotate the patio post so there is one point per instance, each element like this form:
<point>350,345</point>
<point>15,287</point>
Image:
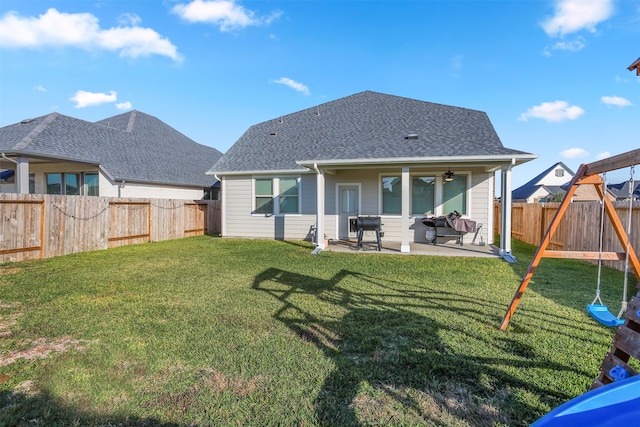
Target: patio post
<point>505,226</point>
<point>22,175</point>
<point>320,196</point>
<point>405,211</point>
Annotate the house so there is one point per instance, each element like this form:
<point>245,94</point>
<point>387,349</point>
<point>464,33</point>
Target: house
<point>366,154</point>
<point>548,183</point>
<point>621,190</point>
<point>128,155</point>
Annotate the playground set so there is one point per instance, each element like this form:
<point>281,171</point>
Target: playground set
<point>614,396</point>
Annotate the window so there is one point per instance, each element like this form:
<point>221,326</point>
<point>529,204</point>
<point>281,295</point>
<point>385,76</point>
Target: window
<point>289,195</point>
<point>422,195</point>
<point>32,183</point>
<point>277,195</point>
<point>454,195</point>
<point>91,184</point>
<point>264,196</point>
<point>71,184</point>
<point>54,183</point>
<point>392,195</point>
<point>559,172</point>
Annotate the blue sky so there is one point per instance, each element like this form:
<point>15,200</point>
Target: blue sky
<point>551,74</point>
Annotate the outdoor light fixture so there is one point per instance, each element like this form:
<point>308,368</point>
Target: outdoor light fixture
<point>448,176</point>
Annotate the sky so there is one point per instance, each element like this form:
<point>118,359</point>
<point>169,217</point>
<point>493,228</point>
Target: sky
<point>551,74</point>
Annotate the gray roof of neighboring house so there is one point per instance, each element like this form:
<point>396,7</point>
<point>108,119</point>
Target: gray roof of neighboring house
<point>621,190</point>
<point>526,190</point>
<point>366,125</point>
<point>133,146</point>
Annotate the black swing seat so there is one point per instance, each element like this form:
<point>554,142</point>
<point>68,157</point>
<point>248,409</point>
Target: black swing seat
<point>601,313</point>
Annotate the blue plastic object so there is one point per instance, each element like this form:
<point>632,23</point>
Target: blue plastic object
<point>602,314</point>
<point>618,373</point>
<point>616,404</point>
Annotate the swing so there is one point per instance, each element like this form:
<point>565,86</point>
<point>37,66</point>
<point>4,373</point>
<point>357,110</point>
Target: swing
<point>597,309</point>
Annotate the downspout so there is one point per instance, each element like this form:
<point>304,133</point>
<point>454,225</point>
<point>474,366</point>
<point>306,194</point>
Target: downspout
<point>223,206</point>
<point>120,187</point>
<point>217,178</point>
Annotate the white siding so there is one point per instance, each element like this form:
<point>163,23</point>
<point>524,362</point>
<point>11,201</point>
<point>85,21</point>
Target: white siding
<point>109,188</point>
<point>137,190</point>
<point>240,222</point>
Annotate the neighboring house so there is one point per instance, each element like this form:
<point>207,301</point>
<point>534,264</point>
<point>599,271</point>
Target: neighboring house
<point>365,154</point>
<point>621,190</point>
<point>128,155</point>
<point>548,183</point>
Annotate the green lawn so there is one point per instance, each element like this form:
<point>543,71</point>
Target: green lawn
<point>207,331</point>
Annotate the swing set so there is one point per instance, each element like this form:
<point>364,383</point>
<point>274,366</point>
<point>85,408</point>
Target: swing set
<point>589,174</point>
<point>597,309</point>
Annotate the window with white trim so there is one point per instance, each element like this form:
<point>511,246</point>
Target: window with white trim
<point>72,184</point>
<point>423,195</point>
<point>289,195</point>
<point>454,195</point>
<point>280,195</point>
<point>391,195</point>
<point>264,196</point>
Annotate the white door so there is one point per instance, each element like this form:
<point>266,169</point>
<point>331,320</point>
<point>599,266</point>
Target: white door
<point>347,208</point>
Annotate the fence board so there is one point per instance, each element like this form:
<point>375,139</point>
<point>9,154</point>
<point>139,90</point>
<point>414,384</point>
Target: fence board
<point>43,226</point>
<point>579,229</point>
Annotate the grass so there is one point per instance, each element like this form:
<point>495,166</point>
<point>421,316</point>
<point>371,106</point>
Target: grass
<point>206,331</point>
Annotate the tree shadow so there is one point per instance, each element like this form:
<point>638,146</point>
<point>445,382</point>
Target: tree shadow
<point>391,365</point>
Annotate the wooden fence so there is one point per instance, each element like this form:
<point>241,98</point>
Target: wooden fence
<point>43,226</point>
<point>579,229</point>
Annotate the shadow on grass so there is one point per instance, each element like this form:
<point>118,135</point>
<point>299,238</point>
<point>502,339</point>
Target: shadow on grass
<point>568,282</point>
<point>23,409</point>
<point>391,365</point>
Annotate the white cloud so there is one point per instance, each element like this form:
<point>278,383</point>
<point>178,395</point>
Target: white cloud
<point>574,153</point>
<point>603,155</point>
<point>615,100</point>
<point>572,16</point>
<point>556,111</point>
<point>572,46</point>
<point>129,19</point>
<point>82,30</point>
<point>124,105</point>
<point>227,14</point>
<point>293,84</point>
<point>87,99</point>
<point>40,88</point>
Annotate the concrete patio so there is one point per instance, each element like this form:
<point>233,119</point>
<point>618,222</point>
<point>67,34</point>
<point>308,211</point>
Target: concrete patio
<point>441,249</point>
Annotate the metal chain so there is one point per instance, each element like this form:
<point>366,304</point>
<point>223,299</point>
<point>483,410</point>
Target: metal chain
<point>118,206</point>
<point>68,215</point>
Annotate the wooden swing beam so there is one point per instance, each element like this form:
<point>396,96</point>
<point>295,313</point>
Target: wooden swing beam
<point>587,174</point>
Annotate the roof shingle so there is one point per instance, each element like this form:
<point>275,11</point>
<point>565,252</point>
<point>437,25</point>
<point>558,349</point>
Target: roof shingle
<point>366,125</point>
<point>133,146</point>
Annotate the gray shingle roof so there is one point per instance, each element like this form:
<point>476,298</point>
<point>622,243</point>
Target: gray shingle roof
<point>133,146</point>
<point>621,190</point>
<point>366,125</point>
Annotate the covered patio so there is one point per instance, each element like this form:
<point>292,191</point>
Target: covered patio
<point>392,247</point>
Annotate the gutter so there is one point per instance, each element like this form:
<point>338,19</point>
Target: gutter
<point>8,159</point>
<point>403,160</point>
